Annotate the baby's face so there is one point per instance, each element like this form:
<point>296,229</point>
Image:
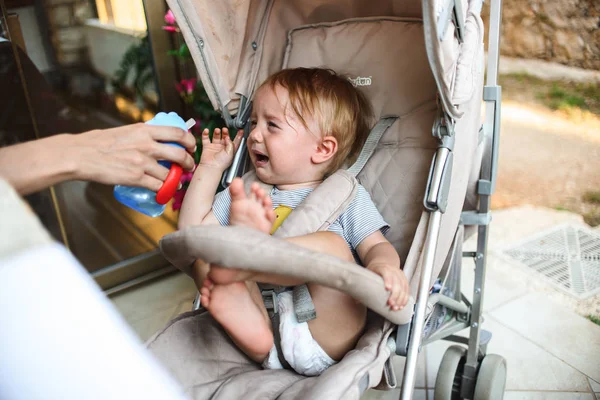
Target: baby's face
<point>280,146</point>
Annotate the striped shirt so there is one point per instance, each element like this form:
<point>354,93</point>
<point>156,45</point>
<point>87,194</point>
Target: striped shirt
<point>359,220</point>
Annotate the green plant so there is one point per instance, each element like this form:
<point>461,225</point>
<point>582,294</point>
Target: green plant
<point>594,319</point>
<point>193,94</point>
<point>592,197</point>
<point>137,60</point>
<point>592,218</point>
<point>558,95</point>
<point>191,89</point>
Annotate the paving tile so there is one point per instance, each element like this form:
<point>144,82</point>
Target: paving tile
<point>512,225</point>
<point>529,367</point>
<point>560,332</point>
<point>434,354</point>
<point>594,385</point>
<point>144,301</point>
<point>418,394</point>
<point>503,282</point>
<point>547,396</point>
<point>420,375</point>
<point>381,395</point>
<point>399,369</point>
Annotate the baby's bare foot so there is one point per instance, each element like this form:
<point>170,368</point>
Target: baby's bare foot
<point>254,211</point>
<point>233,307</point>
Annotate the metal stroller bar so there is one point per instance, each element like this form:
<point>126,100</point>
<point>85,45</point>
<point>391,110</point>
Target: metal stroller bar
<point>414,345</point>
<point>486,186</point>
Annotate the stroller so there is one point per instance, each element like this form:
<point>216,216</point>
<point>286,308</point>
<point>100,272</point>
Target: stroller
<point>429,165</point>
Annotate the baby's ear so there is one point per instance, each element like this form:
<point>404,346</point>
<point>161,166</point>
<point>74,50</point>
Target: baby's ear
<point>325,150</point>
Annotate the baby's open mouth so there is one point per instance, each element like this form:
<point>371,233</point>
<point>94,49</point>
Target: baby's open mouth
<point>261,159</point>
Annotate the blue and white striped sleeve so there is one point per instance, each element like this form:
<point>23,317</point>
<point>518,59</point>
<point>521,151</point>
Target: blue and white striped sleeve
<point>361,219</point>
<point>221,206</point>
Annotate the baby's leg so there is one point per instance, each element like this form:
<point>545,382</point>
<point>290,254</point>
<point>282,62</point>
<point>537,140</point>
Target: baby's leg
<point>340,319</point>
<point>238,306</point>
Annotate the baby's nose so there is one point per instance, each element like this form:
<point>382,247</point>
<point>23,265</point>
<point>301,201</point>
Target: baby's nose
<point>255,135</point>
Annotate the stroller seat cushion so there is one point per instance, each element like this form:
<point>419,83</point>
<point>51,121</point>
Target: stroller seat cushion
<point>300,349</point>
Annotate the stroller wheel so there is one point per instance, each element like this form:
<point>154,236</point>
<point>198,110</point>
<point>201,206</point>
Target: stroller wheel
<point>448,380</point>
<point>491,378</point>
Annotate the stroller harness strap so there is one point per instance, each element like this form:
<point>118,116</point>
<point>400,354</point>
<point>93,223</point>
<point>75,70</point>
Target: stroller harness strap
<point>371,144</point>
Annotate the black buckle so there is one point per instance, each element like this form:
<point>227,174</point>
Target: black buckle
<point>270,299</point>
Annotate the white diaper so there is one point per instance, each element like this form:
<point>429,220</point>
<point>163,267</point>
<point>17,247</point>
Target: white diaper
<point>299,348</point>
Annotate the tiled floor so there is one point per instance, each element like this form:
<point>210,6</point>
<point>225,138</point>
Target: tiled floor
<point>551,352</point>
<point>149,307</point>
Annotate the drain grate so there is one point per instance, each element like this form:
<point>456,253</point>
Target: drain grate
<point>569,256</point>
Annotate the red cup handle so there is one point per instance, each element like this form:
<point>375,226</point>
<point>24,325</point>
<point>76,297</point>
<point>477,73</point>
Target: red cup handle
<point>169,187</point>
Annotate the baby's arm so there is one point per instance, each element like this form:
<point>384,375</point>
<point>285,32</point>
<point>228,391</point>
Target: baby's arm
<point>378,255</point>
<point>215,159</point>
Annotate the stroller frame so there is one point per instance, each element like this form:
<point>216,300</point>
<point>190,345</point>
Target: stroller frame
<point>408,338</point>
<point>468,315</point>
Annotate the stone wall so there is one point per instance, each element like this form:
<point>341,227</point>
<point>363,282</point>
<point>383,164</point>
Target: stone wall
<point>563,31</point>
<point>66,22</point>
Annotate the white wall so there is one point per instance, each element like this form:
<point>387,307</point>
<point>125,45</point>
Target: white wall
<point>33,37</point>
<point>107,44</point>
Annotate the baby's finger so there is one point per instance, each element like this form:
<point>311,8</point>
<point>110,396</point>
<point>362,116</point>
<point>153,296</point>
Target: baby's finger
<point>406,296</point>
<point>228,145</point>
<point>396,293</point>
<point>217,135</point>
<point>387,281</point>
<point>205,138</point>
<point>225,135</point>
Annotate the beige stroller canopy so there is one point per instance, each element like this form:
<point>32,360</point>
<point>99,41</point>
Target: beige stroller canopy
<point>429,165</point>
<point>237,44</point>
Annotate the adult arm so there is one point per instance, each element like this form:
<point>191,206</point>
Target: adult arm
<point>125,155</point>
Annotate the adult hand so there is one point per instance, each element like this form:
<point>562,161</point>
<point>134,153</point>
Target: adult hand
<point>128,155</point>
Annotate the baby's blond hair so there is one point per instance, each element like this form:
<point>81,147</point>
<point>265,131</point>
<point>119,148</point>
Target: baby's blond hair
<point>339,109</point>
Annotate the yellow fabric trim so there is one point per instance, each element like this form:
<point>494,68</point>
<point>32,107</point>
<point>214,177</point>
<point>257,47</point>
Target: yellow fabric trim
<point>282,212</point>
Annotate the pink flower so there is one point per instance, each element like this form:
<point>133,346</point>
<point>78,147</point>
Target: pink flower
<point>170,18</point>
<point>186,177</point>
<point>178,199</point>
<point>189,85</point>
<point>197,129</point>
<point>170,28</point>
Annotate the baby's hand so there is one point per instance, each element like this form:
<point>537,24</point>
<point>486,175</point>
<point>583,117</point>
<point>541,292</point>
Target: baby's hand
<point>395,282</point>
<point>219,153</point>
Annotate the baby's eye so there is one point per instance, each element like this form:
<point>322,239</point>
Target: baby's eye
<point>273,125</point>
<point>252,122</point>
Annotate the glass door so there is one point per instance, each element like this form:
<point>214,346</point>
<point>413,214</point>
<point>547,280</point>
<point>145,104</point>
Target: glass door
<point>75,66</point>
